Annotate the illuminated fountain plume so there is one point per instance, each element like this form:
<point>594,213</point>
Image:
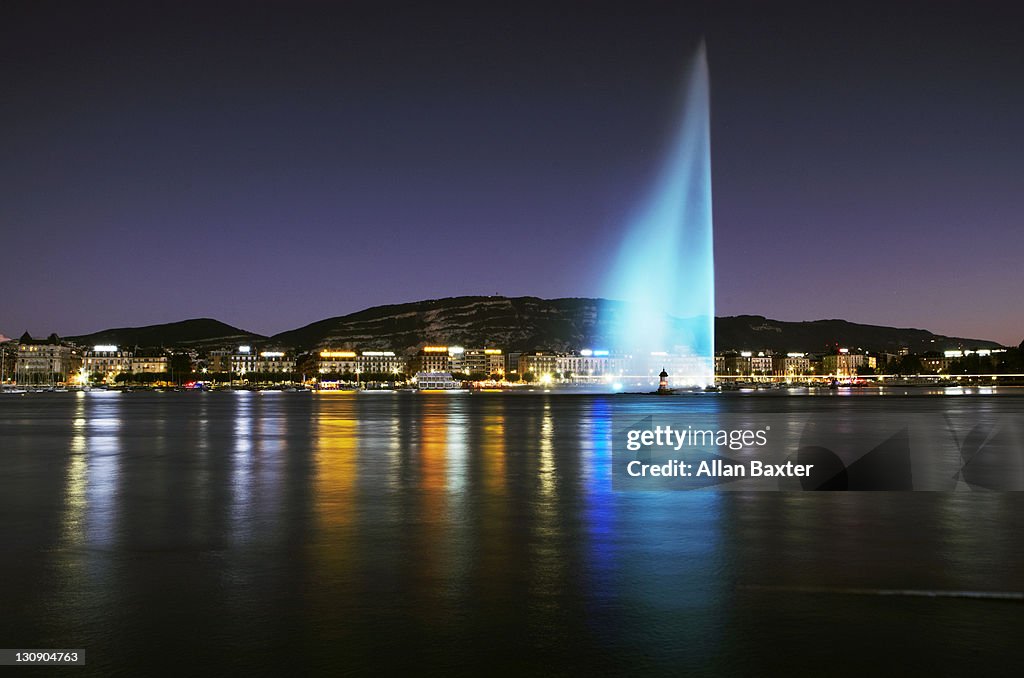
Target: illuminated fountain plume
<point>665,269</point>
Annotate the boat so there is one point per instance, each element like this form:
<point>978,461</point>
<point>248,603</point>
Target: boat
<point>333,387</point>
<point>437,381</point>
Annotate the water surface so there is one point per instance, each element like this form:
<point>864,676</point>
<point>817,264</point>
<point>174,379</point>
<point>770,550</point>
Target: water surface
<point>467,533</point>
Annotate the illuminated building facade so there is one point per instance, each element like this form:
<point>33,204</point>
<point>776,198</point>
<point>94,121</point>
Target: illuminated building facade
<point>107,360</point>
<point>846,364</point>
<point>589,365</point>
<point>433,359</point>
<point>793,364</point>
<point>338,361</point>
<point>580,367</point>
<point>277,362</point>
<point>151,362</point>
<point>485,361</point>
<point>243,360</point>
<point>43,361</point>
<point>538,363</point>
<point>762,364</point>
<point>381,362</point>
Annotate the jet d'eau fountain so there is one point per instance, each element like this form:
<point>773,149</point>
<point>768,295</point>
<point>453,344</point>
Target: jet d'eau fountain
<point>665,267</point>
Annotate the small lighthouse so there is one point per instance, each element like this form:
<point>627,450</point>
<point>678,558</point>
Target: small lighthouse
<point>663,383</point>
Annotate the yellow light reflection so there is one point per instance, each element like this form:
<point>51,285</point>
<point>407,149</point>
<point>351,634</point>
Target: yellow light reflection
<point>433,483</point>
<point>76,479</point>
<point>549,571</point>
<point>335,455</point>
<point>493,450</point>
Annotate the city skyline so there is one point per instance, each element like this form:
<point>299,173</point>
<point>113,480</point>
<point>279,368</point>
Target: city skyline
<point>270,167</point>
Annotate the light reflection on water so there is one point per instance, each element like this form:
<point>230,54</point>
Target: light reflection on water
<point>103,447</point>
<point>415,532</point>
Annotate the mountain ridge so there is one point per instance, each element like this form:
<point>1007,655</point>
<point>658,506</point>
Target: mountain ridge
<point>528,323</point>
<point>194,332</point>
<point>523,323</point>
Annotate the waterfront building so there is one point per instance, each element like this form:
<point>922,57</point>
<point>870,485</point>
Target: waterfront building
<point>762,364</point>
<point>486,361</point>
<point>846,364</point>
<point>792,364</point>
<point>541,364</point>
<point>107,360</point>
<point>381,362</point>
<point>218,361</point>
<point>434,359</point>
<point>495,361</point>
<point>345,361</point>
<point>512,365</point>
<point>43,361</point>
<point>884,359</point>
<point>932,362</point>
<point>737,364</point>
<point>981,352</point>
<point>243,360</point>
<point>577,367</point>
<point>8,358</point>
<point>247,360</point>
<point>274,362</point>
<point>589,366</point>
<point>151,361</point>
<point>337,361</point>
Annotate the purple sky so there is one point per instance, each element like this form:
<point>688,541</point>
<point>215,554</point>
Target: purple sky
<point>273,164</point>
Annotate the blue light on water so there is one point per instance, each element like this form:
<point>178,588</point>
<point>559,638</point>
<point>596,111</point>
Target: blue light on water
<point>665,266</point>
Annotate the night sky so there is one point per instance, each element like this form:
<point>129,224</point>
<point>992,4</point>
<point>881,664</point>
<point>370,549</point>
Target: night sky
<point>273,164</point>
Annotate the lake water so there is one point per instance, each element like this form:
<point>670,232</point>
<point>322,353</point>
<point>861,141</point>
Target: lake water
<point>458,533</point>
